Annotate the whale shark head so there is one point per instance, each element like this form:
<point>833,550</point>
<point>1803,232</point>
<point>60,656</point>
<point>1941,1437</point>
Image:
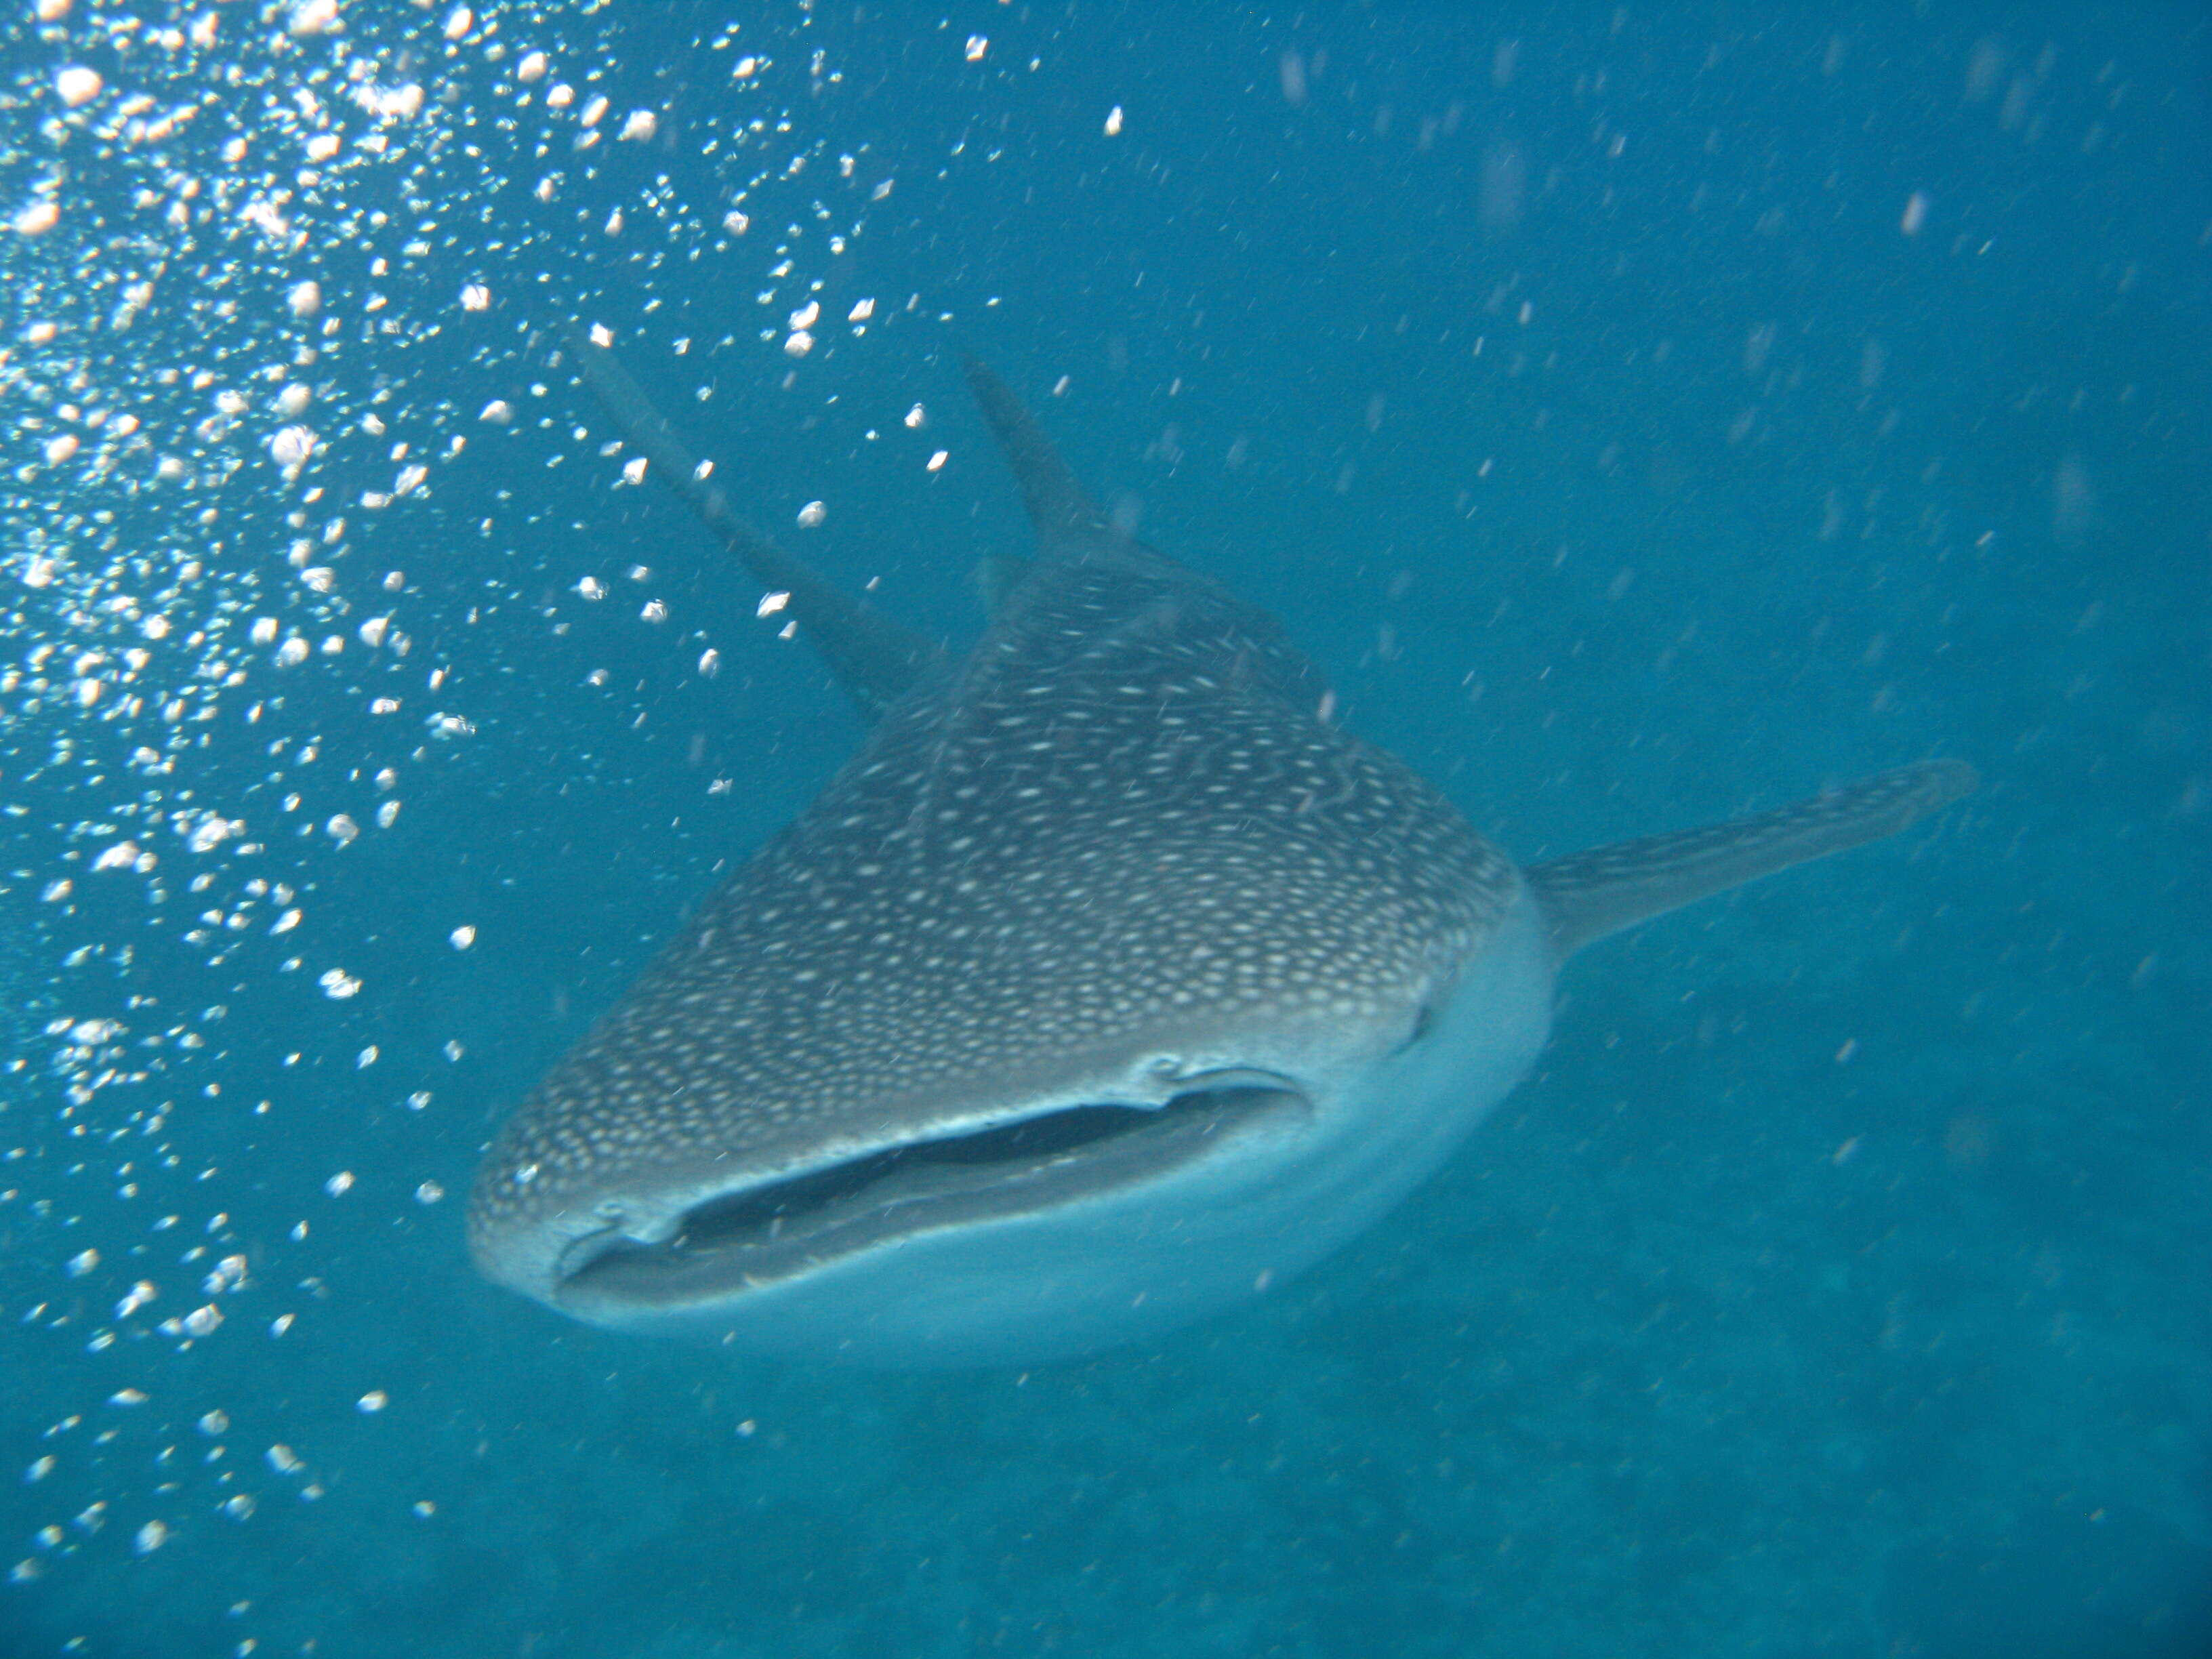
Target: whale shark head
<point>1108,984</point>
<point>1061,1014</point>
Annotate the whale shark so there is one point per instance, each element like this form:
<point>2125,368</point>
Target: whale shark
<point>1110,982</point>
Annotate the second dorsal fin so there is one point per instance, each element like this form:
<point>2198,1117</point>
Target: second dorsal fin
<point>873,658</point>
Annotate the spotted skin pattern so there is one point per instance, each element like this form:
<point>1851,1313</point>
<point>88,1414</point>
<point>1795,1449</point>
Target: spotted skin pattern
<point>1116,848</point>
<point>1122,817</point>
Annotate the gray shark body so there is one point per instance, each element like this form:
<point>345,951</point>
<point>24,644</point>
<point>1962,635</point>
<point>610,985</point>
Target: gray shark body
<point>1110,983</point>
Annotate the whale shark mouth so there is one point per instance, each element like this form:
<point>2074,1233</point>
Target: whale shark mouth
<point>760,1233</point>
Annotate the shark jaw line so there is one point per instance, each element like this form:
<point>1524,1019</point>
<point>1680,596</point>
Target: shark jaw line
<point>723,1245</point>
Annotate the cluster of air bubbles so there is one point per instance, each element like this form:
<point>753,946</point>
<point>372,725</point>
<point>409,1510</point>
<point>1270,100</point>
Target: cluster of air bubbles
<point>278,275</point>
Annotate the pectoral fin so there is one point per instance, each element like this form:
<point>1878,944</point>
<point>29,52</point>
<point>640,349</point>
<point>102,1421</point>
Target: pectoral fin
<point>873,659</point>
<point>1586,895</point>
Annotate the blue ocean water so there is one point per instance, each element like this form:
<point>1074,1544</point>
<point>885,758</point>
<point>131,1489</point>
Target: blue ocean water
<point>1643,414</point>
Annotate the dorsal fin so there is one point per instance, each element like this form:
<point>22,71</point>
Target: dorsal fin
<point>873,658</point>
<point>996,576</point>
<point>1586,895</point>
<point>1058,509</point>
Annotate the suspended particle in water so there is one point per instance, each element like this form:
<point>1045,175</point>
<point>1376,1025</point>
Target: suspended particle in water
<point>291,445</point>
